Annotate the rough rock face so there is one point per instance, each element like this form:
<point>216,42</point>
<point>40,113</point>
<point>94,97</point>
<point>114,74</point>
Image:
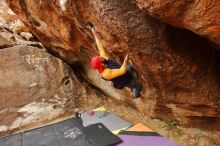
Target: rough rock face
<point>35,86</point>
<point>9,19</point>
<point>179,70</point>
<point>200,16</point>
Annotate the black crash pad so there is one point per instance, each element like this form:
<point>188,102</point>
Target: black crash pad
<point>66,133</point>
<point>100,135</point>
<point>13,140</point>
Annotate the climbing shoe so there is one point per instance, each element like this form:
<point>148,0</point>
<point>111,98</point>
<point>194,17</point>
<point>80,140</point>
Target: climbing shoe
<point>89,25</point>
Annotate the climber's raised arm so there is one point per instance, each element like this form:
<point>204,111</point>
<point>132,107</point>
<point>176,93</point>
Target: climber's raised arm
<point>102,50</point>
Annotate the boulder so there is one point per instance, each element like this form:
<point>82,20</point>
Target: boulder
<point>179,69</point>
<point>199,16</point>
<point>35,86</point>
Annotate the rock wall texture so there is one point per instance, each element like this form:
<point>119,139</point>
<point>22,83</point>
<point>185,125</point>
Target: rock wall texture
<point>179,70</point>
<point>10,20</point>
<point>35,86</point>
<point>200,16</point>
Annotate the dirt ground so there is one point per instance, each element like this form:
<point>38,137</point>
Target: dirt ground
<point>181,135</point>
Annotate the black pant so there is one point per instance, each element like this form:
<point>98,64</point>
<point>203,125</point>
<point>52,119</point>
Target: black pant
<point>134,83</point>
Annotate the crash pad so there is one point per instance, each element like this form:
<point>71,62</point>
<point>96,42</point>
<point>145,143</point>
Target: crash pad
<point>13,140</point>
<point>100,135</point>
<point>69,132</point>
<point>113,122</point>
<point>141,135</point>
<point>139,127</point>
<point>131,138</point>
<point>101,109</point>
<point>66,133</point>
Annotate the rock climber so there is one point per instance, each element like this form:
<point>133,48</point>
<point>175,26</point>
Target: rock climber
<point>121,75</point>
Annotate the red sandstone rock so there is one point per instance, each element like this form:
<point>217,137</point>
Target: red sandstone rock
<point>179,70</point>
<point>199,16</point>
<point>9,19</point>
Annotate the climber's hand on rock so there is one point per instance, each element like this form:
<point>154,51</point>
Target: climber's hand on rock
<point>126,58</point>
<point>125,61</point>
<point>95,33</point>
<point>93,30</point>
<point>89,25</point>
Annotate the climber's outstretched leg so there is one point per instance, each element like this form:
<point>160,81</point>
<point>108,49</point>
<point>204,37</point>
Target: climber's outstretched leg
<point>134,84</point>
<point>137,90</point>
<point>133,71</point>
<point>136,87</point>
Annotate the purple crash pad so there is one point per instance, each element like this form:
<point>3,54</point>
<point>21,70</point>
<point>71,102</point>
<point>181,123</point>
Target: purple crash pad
<point>131,140</point>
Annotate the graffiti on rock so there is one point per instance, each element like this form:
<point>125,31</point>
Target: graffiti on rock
<point>38,62</point>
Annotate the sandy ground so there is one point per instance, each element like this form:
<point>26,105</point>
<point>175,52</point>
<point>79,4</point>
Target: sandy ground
<point>181,135</point>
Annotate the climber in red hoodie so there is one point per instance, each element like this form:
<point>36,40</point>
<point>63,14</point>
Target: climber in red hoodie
<point>121,75</point>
